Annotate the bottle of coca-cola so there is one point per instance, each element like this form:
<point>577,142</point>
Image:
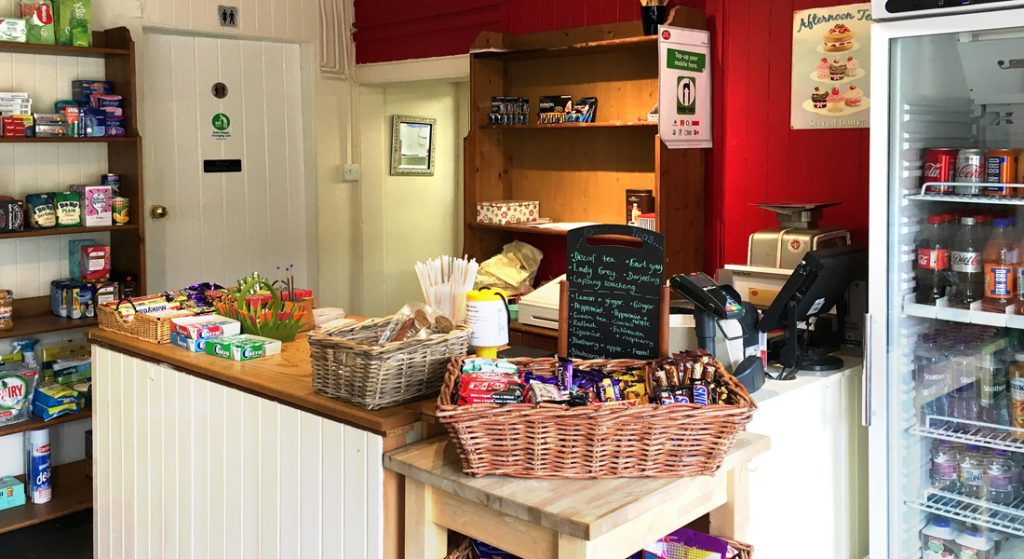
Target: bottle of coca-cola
<point>932,261</point>
<point>965,260</point>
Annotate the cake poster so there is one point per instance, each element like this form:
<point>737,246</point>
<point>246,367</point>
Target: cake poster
<point>831,73</point>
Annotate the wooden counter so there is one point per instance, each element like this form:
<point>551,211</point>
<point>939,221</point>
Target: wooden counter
<point>286,378</point>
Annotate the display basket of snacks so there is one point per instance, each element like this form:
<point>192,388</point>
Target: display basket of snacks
<point>385,361</point>
<point>146,318</point>
<point>557,418</point>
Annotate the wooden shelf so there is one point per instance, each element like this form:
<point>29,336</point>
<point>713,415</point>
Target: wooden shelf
<point>59,50</point>
<point>572,125</point>
<point>66,140</point>
<point>72,492</point>
<point>575,49</point>
<point>520,229</point>
<point>55,231</point>
<point>535,330</point>
<point>37,423</point>
<point>42,323</point>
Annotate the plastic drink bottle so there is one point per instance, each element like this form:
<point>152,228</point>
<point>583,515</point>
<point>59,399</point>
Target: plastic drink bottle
<point>932,261</point>
<point>972,472</point>
<point>974,544</point>
<point>965,260</point>
<point>938,539</point>
<point>1000,266</point>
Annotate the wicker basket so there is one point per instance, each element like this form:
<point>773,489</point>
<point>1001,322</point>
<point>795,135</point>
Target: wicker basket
<point>465,550</point>
<point>351,367</point>
<point>746,551</point>
<point>556,441</point>
<point>148,328</point>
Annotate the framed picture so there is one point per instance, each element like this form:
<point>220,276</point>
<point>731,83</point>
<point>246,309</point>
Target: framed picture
<point>412,146</point>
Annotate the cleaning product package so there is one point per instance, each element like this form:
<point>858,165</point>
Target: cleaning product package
<point>37,467</point>
<point>17,384</point>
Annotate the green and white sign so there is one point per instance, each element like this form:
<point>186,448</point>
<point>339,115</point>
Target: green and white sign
<point>221,126</point>
<point>685,88</point>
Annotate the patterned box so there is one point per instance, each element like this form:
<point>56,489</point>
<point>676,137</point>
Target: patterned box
<point>507,212</point>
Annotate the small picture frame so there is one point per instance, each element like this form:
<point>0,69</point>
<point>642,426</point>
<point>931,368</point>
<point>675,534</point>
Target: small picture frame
<point>412,146</point>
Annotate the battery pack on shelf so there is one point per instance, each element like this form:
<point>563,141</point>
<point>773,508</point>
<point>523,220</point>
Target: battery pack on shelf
<point>1006,518</point>
<point>941,310</point>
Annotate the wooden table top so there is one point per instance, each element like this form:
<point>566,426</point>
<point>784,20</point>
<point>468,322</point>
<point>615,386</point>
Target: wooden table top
<point>585,509</point>
<point>286,378</point>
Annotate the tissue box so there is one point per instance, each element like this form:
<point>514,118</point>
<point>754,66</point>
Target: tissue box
<point>12,492</point>
<point>206,326</point>
<point>507,212</point>
<point>97,204</point>
<point>243,348</point>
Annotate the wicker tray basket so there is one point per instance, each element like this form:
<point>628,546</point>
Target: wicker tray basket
<point>556,441</point>
<point>153,329</point>
<point>351,367</point>
<point>465,550</point>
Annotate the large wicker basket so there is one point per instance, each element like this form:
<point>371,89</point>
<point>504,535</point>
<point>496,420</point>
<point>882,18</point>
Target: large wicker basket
<point>465,550</point>
<point>556,441</point>
<point>153,329</point>
<point>349,366</point>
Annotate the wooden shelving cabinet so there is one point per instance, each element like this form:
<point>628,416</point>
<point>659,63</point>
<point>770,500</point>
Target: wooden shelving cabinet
<point>580,172</point>
<point>72,482</point>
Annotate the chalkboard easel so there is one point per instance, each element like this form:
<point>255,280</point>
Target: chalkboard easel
<point>614,302</point>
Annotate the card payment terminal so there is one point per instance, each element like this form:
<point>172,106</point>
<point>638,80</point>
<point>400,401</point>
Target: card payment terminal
<point>711,304</point>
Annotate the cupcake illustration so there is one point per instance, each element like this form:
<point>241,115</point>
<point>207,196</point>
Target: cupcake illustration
<point>836,70</point>
<point>835,101</point>
<point>838,38</point>
<point>819,98</point>
<point>852,66</point>
<point>854,97</point>
<point>822,69</point>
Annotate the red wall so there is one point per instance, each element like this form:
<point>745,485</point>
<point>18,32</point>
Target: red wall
<point>756,158</point>
<point>403,29</point>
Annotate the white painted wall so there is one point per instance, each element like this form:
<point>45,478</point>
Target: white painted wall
<point>190,468</point>
<point>408,219</point>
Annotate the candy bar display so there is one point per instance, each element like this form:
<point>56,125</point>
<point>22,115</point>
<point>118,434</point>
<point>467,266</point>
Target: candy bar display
<point>686,378</point>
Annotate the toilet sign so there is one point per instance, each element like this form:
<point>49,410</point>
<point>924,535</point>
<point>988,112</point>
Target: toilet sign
<point>221,126</point>
<point>684,83</point>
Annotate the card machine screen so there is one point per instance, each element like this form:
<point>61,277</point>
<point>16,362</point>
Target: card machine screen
<point>705,293</point>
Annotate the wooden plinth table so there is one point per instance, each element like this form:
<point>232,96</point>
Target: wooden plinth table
<point>579,519</point>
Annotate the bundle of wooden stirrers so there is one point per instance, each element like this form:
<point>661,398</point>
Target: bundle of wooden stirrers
<point>445,282</point>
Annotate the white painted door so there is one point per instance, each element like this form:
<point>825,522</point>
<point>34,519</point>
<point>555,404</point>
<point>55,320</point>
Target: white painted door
<point>221,226</point>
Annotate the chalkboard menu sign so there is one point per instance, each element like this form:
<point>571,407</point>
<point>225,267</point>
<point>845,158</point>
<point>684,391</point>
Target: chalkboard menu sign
<point>614,292</point>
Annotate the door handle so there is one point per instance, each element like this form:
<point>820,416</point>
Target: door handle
<point>157,211</point>
<point>865,383</point>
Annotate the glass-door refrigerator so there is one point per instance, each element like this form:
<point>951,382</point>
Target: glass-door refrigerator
<point>944,381</point>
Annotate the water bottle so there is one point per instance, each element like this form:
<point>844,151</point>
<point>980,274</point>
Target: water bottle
<point>1000,479</point>
<point>945,470</point>
<point>972,472</point>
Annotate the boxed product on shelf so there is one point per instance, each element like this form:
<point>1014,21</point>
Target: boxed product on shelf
<point>17,383</point>
<point>189,344</point>
<point>97,201</point>
<point>13,30</point>
<point>554,108</point>
<point>70,372</point>
<point>74,255</point>
<point>12,215</point>
<point>509,110</point>
<point>69,209</point>
<point>42,214</point>
<point>12,492</point>
<point>244,347</point>
<point>72,299</point>
<point>206,326</point>
<point>83,90</point>
<point>74,19</point>
<point>507,212</point>
<point>39,20</point>
<point>54,400</point>
<point>94,261</point>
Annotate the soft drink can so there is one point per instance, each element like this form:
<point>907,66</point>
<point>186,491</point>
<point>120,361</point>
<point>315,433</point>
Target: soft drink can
<point>119,207</point>
<point>1001,167</point>
<point>970,168</point>
<point>112,180</point>
<point>940,167</point>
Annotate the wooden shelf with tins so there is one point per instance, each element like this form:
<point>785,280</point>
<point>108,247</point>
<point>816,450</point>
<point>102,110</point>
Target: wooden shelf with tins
<point>584,176</point>
<point>72,490</point>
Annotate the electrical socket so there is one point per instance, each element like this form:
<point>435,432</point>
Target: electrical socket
<point>350,172</point>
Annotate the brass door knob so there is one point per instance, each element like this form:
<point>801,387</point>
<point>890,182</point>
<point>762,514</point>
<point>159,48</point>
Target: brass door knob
<point>158,211</point>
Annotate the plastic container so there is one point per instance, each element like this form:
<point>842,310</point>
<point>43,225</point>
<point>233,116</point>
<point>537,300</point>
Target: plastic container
<point>487,315</point>
<point>1001,478</point>
<point>972,472</point>
<point>938,539</point>
<point>975,544</point>
<point>1000,267</point>
<point>945,468</point>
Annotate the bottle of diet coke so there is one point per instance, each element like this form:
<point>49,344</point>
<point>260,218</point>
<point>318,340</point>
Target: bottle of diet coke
<point>965,260</point>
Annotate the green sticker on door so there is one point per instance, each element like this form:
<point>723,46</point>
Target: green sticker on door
<point>221,126</point>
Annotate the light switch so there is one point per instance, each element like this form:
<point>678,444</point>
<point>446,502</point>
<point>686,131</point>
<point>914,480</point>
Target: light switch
<point>350,173</point>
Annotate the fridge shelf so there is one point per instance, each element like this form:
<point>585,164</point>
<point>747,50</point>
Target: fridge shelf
<point>973,315</point>
<point>1005,518</point>
<point>972,198</point>
<point>971,432</point>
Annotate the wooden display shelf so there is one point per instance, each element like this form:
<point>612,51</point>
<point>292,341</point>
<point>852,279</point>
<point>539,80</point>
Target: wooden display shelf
<point>535,330</point>
<point>42,323</point>
<point>98,50</point>
<point>54,231</point>
<point>72,492</point>
<point>573,125</point>
<point>574,49</point>
<point>37,423</point>
<point>527,229</point>
<point>67,140</point>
